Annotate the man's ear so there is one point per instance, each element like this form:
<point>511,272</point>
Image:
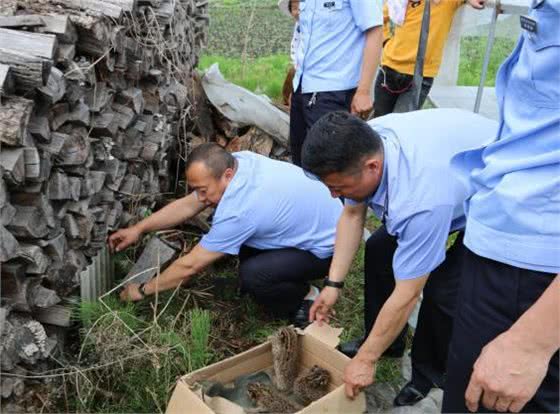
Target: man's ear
<point>373,165</point>
<point>228,174</point>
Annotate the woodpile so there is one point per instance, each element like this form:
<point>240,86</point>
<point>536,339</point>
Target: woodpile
<point>94,95</point>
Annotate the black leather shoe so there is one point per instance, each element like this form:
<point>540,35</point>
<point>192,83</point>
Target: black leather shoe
<point>350,349</point>
<point>301,318</point>
<point>409,395</point>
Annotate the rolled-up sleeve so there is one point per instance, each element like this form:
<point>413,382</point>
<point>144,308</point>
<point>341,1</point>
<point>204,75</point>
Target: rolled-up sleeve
<point>422,242</point>
<point>227,235</point>
<point>367,13</point>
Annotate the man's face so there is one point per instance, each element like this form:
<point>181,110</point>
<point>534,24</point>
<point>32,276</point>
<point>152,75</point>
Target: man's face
<point>294,9</point>
<point>209,189</point>
<point>357,185</point>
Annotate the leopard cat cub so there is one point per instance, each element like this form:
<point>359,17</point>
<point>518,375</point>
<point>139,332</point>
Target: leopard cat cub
<point>312,384</point>
<point>268,400</point>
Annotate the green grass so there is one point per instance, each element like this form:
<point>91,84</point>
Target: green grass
<point>261,75</point>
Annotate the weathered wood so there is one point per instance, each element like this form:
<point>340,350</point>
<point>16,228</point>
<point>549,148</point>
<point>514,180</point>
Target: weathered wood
<point>131,185</point>
<point>57,315</point>
<point>38,127</point>
<point>104,124</point>
<point>32,163</point>
<point>21,21</point>
<point>125,115</point>
<point>54,247</point>
<point>29,222</point>
<point>55,145</point>
<point>99,6</point>
<point>63,187</point>
<point>59,115</point>
<point>29,71</point>
<point>41,297</point>
<point>36,44</point>
<point>80,207</point>
<point>65,53</point>
<point>15,285</point>
<point>245,108</point>
<point>8,245</point>
<point>34,256</point>
<point>99,97</point>
<point>156,254</point>
<point>75,150</point>
<point>6,80</point>
<point>93,183</point>
<point>55,88</point>
<point>61,26</point>
<point>81,71</point>
<point>13,164</point>
<point>7,214</point>
<point>14,118</point>
<point>36,200</point>
<point>132,98</point>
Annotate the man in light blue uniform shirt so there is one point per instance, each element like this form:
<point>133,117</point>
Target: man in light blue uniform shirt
<point>337,56</point>
<point>508,315</point>
<point>281,224</point>
<point>398,165</point>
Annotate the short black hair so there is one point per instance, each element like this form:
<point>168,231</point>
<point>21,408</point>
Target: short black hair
<point>337,143</point>
<point>214,157</point>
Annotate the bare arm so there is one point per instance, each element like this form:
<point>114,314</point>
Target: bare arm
<point>362,103</point>
<point>171,215</point>
<point>349,231</point>
<point>360,372</point>
<point>180,271</point>
<point>510,369</point>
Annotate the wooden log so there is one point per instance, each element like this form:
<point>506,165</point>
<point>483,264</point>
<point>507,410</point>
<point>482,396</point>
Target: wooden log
<point>57,315</point>
<point>201,112</point>
<point>13,165</point>
<point>41,297</point>
<point>99,6</point>
<point>36,44</point>
<point>36,200</point>
<point>34,256</point>
<point>80,115</point>
<point>7,84</point>
<point>26,342</point>
<point>105,124</point>
<point>54,247</point>
<point>55,88</point>
<point>125,115</point>
<point>59,115</point>
<point>99,97</point>
<point>81,71</point>
<point>156,254</point>
<point>14,286</point>
<point>133,98</point>
<point>29,222</point>
<point>8,245</point>
<point>93,183</point>
<point>55,145</point>
<point>38,127</point>
<point>63,187</point>
<point>7,214</point>
<point>65,53</point>
<point>32,163</point>
<point>29,71</point>
<point>114,215</point>
<point>16,22</point>
<point>131,185</point>
<point>75,150</point>
<point>14,118</point>
<point>61,26</point>
<point>80,207</point>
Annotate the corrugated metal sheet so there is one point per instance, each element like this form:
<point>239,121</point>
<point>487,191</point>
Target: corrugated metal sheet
<point>98,277</point>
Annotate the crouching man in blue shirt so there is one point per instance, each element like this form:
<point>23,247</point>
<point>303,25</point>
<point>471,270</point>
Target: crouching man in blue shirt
<point>504,350</point>
<point>280,223</point>
<point>398,165</point>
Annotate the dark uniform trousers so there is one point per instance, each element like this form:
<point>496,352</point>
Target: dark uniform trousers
<point>307,108</point>
<point>492,297</point>
<point>279,279</point>
<point>435,319</point>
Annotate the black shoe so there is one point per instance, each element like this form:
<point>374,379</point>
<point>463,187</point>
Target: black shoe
<point>409,395</point>
<point>301,318</point>
<point>350,349</point>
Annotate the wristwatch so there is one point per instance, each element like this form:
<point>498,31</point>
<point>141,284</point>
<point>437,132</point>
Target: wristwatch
<point>338,285</point>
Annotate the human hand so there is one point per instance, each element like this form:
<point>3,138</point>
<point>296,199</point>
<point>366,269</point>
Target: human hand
<point>321,309</point>
<point>361,104</point>
<point>123,238</point>
<point>131,293</point>
<point>359,373</point>
<point>506,375</point>
<point>477,4</point>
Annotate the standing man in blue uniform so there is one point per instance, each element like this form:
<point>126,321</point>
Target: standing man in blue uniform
<point>398,165</point>
<point>336,59</point>
<point>504,350</point>
<point>280,223</point>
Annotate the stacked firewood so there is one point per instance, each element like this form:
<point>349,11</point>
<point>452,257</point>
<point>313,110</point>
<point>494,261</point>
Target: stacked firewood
<point>93,95</point>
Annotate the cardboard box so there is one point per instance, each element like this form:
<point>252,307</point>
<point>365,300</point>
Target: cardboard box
<point>316,346</point>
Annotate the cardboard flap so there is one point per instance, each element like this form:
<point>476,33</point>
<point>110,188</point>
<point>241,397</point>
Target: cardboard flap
<point>325,333</point>
<point>337,402</point>
<point>221,405</point>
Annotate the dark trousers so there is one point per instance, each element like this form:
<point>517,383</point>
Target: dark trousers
<point>307,108</point>
<point>279,279</point>
<point>435,320</point>
<point>492,297</point>
<point>392,92</point>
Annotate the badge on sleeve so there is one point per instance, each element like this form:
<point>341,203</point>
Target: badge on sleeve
<point>528,24</point>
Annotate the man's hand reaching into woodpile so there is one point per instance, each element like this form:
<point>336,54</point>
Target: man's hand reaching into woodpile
<point>123,238</point>
<point>131,293</point>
